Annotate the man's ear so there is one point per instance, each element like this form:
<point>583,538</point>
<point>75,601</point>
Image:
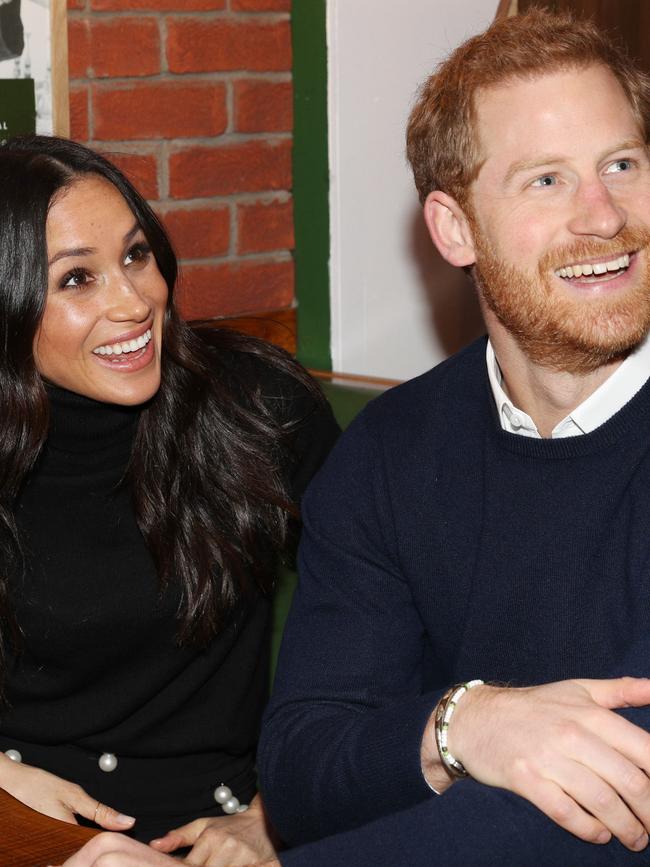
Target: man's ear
<point>449,229</point>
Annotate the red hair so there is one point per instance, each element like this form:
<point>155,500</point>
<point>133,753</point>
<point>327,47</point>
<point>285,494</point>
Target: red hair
<point>441,136</point>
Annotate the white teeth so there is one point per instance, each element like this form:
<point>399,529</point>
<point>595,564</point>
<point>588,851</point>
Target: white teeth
<point>588,269</point>
<point>125,347</point>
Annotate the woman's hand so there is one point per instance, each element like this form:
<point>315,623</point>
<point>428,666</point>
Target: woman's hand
<point>56,797</point>
<point>225,841</point>
<point>114,850</point>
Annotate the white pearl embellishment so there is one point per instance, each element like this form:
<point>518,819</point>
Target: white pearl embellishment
<point>221,794</point>
<point>231,806</point>
<point>107,762</point>
<point>14,755</point>
<point>229,803</point>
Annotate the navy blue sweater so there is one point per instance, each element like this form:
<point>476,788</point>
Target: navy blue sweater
<point>439,548</point>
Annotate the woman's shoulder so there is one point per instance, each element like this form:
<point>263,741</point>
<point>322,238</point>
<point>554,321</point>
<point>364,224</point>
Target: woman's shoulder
<point>263,378</point>
<point>255,372</point>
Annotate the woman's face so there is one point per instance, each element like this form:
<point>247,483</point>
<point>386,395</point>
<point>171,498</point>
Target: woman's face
<point>101,333</point>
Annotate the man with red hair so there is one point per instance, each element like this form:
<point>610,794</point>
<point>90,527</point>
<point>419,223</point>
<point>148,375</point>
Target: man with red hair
<point>489,520</point>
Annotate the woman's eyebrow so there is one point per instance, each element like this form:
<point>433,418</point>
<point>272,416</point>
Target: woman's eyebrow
<point>71,251</point>
<point>135,228</point>
<point>86,251</point>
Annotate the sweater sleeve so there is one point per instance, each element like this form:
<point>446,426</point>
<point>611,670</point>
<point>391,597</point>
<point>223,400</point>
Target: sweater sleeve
<point>341,743</point>
<point>470,825</point>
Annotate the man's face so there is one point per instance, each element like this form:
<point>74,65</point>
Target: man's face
<point>560,215</point>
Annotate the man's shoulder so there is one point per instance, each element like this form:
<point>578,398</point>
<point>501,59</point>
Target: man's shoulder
<point>455,386</point>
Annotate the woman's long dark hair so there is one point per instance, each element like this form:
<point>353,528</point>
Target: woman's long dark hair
<point>206,469</point>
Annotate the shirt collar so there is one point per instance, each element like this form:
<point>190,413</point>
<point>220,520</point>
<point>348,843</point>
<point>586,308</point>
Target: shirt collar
<point>598,408</point>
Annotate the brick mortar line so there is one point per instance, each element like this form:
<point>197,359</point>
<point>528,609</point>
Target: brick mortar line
<point>91,114</point>
<point>178,14</point>
<point>168,202</point>
<point>273,257</point>
<point>163,171</point>
<point>272,76</point>
<point>183,144</point>
<point>280,197</point>
<point>230,108</point>
<point>162,32</point>
<point>234,229</point>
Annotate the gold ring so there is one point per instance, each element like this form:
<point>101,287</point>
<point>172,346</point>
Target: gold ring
<point>96,809</point>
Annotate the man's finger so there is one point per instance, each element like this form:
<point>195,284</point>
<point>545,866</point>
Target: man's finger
<point>548,797</point>
<point>590,787</point>
<point>619,691</point>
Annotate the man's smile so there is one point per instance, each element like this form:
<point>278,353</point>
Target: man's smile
<point>610,267</point>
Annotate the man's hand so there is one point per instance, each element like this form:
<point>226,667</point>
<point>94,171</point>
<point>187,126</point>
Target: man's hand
<point>562,747</point>
<point>114,850</point>
<point>226,841</point>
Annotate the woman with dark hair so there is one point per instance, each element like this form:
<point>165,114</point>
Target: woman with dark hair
<point>148,482</point>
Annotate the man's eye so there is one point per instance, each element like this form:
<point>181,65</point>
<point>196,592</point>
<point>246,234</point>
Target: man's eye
<point>619,166</point>
<point>76,277</point>
<point>545,181</point>
<point>138,253</point>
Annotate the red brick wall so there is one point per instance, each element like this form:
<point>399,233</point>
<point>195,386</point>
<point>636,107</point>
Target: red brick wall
<point>192,98</point>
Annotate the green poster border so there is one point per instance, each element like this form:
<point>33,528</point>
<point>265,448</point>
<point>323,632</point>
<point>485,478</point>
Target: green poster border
<point>311,182</point>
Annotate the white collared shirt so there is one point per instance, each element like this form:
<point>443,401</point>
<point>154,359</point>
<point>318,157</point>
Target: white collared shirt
<point>600,406</point>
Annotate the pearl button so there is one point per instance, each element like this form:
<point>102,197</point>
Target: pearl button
<point>516,420</point>
<point>107,762</point>
<point>14,755</point>
<point>231,806</point>
<point>222,794</point>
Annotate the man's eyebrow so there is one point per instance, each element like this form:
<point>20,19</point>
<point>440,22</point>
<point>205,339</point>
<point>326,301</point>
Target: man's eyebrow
<point>87,251</point>
<point>525,165</point>
<point>549,159</point>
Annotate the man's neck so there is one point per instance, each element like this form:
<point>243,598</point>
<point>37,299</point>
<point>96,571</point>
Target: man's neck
<point>546,395</point>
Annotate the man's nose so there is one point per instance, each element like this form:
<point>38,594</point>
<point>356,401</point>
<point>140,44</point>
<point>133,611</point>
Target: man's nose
<point>597,212</point>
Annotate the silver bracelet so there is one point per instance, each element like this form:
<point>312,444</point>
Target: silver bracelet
<point>444,712</point>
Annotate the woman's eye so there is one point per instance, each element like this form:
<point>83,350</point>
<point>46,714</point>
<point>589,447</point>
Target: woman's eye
<point>138,253</point>
<point>76,277</point>
<point>619,166</point>
<point>545,181</point>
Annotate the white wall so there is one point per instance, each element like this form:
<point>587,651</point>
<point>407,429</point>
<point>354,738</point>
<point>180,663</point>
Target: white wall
<point>397,308</point>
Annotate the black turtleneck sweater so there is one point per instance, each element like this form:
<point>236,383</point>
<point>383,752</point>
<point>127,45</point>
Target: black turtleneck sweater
<point>100,670</point>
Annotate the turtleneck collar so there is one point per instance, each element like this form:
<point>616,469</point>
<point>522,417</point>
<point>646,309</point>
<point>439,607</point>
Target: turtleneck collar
<point>81,425</point>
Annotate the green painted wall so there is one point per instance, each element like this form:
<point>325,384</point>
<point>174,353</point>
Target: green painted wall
<point>311,182</point>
